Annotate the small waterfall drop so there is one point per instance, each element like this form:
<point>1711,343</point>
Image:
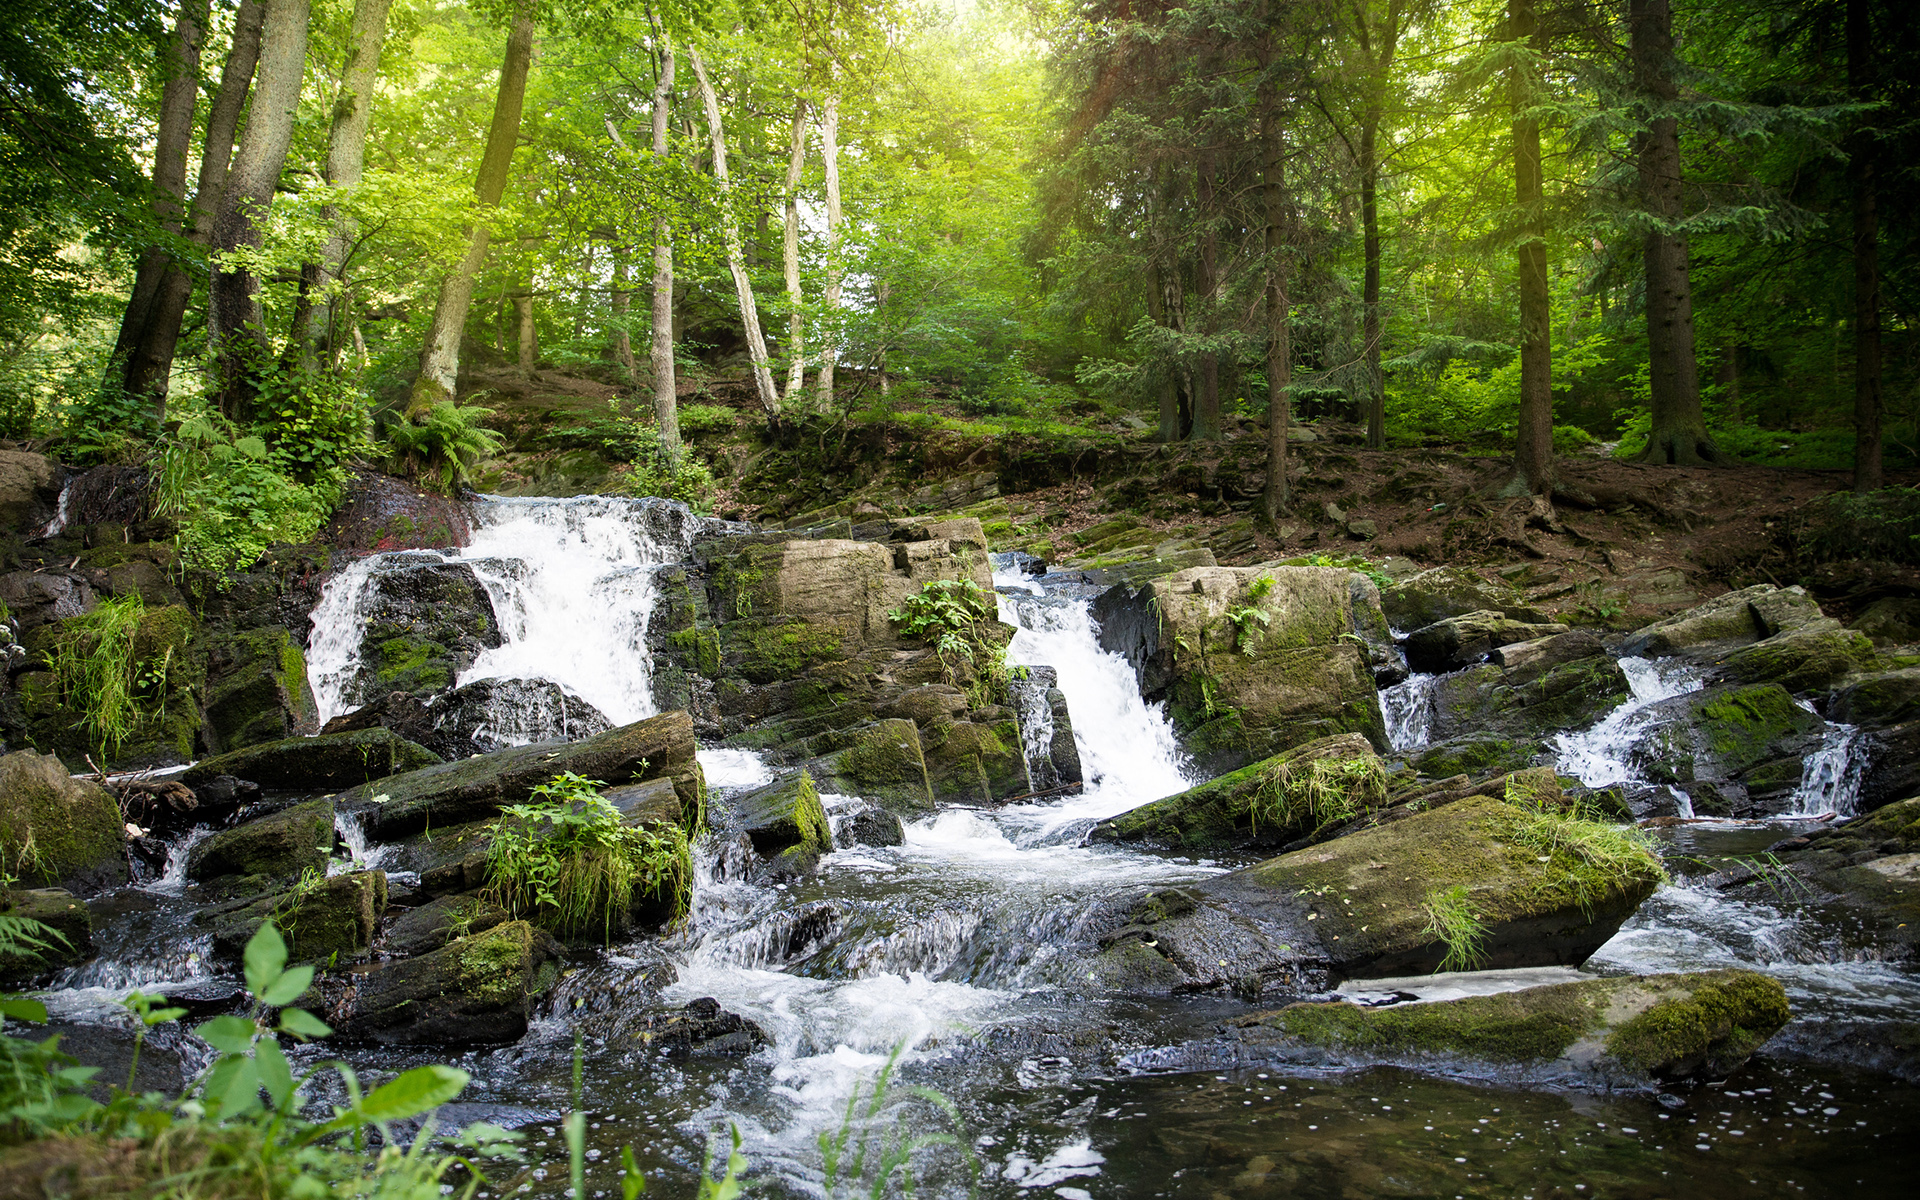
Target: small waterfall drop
<point>1831,776</point>
<point>62,513</point>
<point>1408,707</point>
<point>1597,757</point>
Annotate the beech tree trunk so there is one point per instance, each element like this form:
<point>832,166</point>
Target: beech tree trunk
<point>526,337</point>
<point>148,362</point>
<point>1679,432</point>
<point>1868,474</point>
<point>316,323</point>
<point>790,258</point>
<point>440,357</point>
<point>622,304</point>
<point>1278,496</point>
<point>830,294</point>
<point>1533,449</point>
<point>736,255</point>
<point>234,333</point>
<point>178,98</point>
<point>1376,399</point>
<point>666,407</point>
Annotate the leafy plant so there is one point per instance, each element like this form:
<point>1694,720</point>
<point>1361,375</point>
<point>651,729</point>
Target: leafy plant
<point>568,861</point>
<point>440,447</point>
<point>230,497</point>
<point>1451,918</point>
<point>958,616</point>
<point>696,419</point>
<point>99,674</point>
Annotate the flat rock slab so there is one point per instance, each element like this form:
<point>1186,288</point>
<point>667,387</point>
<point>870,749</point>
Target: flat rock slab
<point>331,760</point>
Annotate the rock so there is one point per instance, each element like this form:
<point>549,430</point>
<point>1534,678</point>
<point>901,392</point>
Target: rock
<point>1877,700</point>
<point>884,763</point>
<point>1870,865</point>
<point>783,814</point>
<point>426,622</point>
<point>71,942</point>
<point>1892,766</point>
<point>427,928</point>
<point>475,990</point>
<point>932,704</point>
<point>1046,729</point>
<point>1365,904</point>
<point>1894,621</point>
<point>1320,784</point>
<point>702,1028</point>
<point>257,689</point>
<point>493,714</point>
<point>1434,595</point>
<point>1474,754</point>
<point>1737,751</point>
<point>649,802</point>
<point>276,846</point>
<point>1461,641</point>
<point>331,760</point>
<point>29,492</point>
<point>452,793</point>
<point>1568,683</point>
<point>379,512</point>
<point>1363,530</point>
<point>333,921</point>
<point>1817,654</point>
<point>36,598</point>
<point>970,763</point>
<point>1725,622</point>
<point>57,830</point>
<point>868,825</point>
<point>403,712</point>
<point>1613,1031</point>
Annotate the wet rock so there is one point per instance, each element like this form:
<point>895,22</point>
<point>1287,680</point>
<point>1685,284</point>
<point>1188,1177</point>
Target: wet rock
<point>1053,759</point>
<point>1566,682</point>
<point>1737,751</point>
<point>29,491</point>
<point>1614,1031</point>
<point>1461,641</point>
<point>1321,784</point>
<point>972,763</point>
<point>71,941</point>
<point>332,921</point>
<point>331,760</point>
<point>883,762</point>
<point>1894,621</point>
<point>425,929</point>
<point>402,712</point>
<point>58,830</point>
<point>701,1028</point>
<point>257,689</point>
<point>453,793</point>
<point>1892,769</point>
<point>1726,622</point>
<point>932,704</point>
<point>869,825</point>
<point>1475,754</point>
<point>379,512</point>
<point>1869,866</point>
<point>1877,700</point>
<point>782,815</point>
<point>1540,891</point>
<point>493,714</point>
<point>1434,595</point>
<point>426,622</point>
<point>276,846</point>
<point>1817,654</point>
<point>475,990</point>
<point>649,802</point>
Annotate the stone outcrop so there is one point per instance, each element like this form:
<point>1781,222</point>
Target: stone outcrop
<point>29,490</point>
<point>1530,690</point>
<point>58,910</point>
<point>1725,623</point>
<point>331,922</point>
<point>331,760</point>
<point>280,845</point>
<point>1736,751</point>
<point>1462,641</point>
<point>56,830</point>
<point>1869,866</point>
<point>475,990</point>
<point>1434,595</point>
<point>427,620</point>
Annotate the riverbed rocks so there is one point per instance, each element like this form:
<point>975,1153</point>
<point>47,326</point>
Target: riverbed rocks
<point>1618,1031</point>
<point>1530,690</point>
<point>1726,622</point>
<point>1481,880</point>
<point>280,845</point>
<point>331,921</point>
<point>425,621</point>
<point>475,990</point>
<point>56,830</point>
<point>60,911</point>
<point>1423,598</point>
<point>1456,642</point>
<point>330,760</point>
<point>1736,751</point>
<point>1870,867</point>
<point>785,821</point>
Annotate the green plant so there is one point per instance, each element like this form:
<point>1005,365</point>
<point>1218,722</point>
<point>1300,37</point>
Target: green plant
<point>567,860</point>
<point>696,419</point>
<point>99,676</point>
<point>106,425</point>
<point>959,617</point>
<point>1591,857</point>
<point>440,447</point>
<point>1451,918</point>
<point>229,496</point>
<point>875,1142</point>
<point>1318,794</point>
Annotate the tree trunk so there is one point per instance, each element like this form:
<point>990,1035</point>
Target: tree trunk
<point>622,304</point>
<point>1679,434</point>
<point>666,407</point>
<point>790,259</point>
<point>830,295</point>
<point>440,357</point>
<point>1376,401</point>
<point>1158,312</point>
<point>149,362</point>
<point>1206,407</point>
<point>527,338</point>
<point>178,98</point>
<point>1278,496</point>
<point>316,313</point>
<point>736,255</point>
<point>1868,474</point>
<point>1533,450</point>
<point>234,333</point>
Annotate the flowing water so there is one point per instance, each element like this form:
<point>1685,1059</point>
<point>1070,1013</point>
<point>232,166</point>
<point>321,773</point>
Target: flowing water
<point>955,951</point>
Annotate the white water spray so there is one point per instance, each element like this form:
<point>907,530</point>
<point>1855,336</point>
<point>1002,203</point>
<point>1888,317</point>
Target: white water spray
<point>1408,708</point>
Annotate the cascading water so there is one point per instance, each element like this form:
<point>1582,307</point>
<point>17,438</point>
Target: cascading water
<point>1408,708</point>
<point>1830,779</point>
<point>1597,756</point>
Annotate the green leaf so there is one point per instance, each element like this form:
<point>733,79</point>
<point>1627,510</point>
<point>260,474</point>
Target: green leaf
<point>302,1024</point>
<point>265,957</point>
<point>275,1074</point>
<point>233,1086</point>
<point>286,989</point>
<point>632,1183</point>
<point>16,1009</point>
<point>229,1035</point>
<point>412,1092</point>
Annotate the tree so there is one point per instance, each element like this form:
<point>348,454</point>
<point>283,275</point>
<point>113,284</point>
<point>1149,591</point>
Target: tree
<point>1533,445</point>
<point>666,410</point>
<point>1862,176</point>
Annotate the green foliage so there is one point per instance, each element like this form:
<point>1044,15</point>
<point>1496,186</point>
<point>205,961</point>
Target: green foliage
<point>1591,857</point>
<point>440,448</point>
<point>878,1137</point>
<point>105,425</point>
<point>1350,562</point>
<point>1318,794</point>
<point>567,861</point>
<point>1845,526</point>
<point>99,676</point>
<point>1450,917</point>
<point>957,616</point>
<point>687,478</point>
<point>698,419</point>
<point>1249,619</point>
<point>233,495</point>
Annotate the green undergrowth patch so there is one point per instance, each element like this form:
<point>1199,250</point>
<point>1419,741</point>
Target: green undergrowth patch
<point>1450,917</point>
<point>1590,858</point>
<point>958,617</point>
<point>1317,794</point>
<point>567,861</point>
<point>112,666</point>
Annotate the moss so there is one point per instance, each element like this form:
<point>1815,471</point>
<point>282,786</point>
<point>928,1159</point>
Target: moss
<point>1723,1018</point>
<point>700,645</point>
<point>1474,754</point>
<point>1741,723</point>
<point>412,664</point>
<point>776,652</point>
<point>54,828</point>
<point>1804,659</point>
<point>491,967</point>
<point>1539,1023</point>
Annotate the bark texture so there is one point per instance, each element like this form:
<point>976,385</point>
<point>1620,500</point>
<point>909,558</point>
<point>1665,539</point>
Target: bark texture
<point>1206,405</point>
<point>666,406</point>
<point>830,293</point>
<point>1278,496</point>
<point>1533,449</point>
<point>790,258</point>
<point>736,254</point>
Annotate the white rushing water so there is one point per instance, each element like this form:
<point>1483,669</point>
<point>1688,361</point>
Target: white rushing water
<point>1408,708</point>
<point>1597,756</point>
<point>1831,776</point>
<point>571,582</point>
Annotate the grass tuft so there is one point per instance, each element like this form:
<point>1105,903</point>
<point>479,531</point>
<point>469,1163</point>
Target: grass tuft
<point>1451,918</point>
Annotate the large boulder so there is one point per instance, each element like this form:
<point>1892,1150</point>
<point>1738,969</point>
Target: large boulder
<point>256,689</point>
<point>1736,751</point>
<point>1442,592</point>
<point>29,492</point>
<point>1319,785</point>
<point>1046,729</point>
<point>1814,655</point>
<point>432,925</point>
<point>475,990</point>
<point>280,845</point>
<point>785,822</point>
<point>331,760</point>
<point>1869,866</point>
<point>883,762</point>
<point>60,911</point>
<point>1462,641</point>
<point>1726,622</point>
<point>1617,1031</point>
<point>333,920</point>
<point>379,512</point>
<point>974,762</point>
<point>493,714</point>
<point>452,793</point>
<point>425,621</point>
<point>1481,881</point>
<point>1894,621</point>
<point>56,830</point>
<point>1530,691</point>
<point>1877,700</point>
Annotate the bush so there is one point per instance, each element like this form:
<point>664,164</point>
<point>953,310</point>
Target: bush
<point>228,497</point>
<point>1881,525</point>
<point>956,615</point>
<point>696,419</point>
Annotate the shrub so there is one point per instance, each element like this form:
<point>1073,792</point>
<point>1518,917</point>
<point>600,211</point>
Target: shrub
<point>230,499</point>
<point>957,616</point>
<point>696,419</point>
<point>440,448</point>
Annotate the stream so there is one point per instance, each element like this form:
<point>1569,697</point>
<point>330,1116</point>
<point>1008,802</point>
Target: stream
<point>949,950</point>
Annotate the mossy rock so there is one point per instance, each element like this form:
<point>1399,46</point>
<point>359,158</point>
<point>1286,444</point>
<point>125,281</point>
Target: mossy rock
<point>1724,622</point>
<point>277,846</point>
<point>969,763</point>
<point>1877,700</point>
<point>1738,751</point>
<point>1268,804</point>
<point>63,913</point>
<point>1475,754</point>
<point>257,689</point>
<point>332,921</point>
<point>1532,700</point>
<point>782,814</point>
<point>1456,642</point>
<point>1442,592</point>
<point>1814,656</point>
<point>331,760</point>
<point>1615,1030</point>
<point>56,830</point>
<point>884,763</point>
<point>432,925</point>
<point>475,990</point>
<point>786,650</point>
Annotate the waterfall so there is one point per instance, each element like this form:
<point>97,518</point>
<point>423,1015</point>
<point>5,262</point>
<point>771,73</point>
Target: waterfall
<point>1597,757</point>
<point>1830,778</point>
<point>62,513</point>
<point>1408,707</point>
<point>572,586</point>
